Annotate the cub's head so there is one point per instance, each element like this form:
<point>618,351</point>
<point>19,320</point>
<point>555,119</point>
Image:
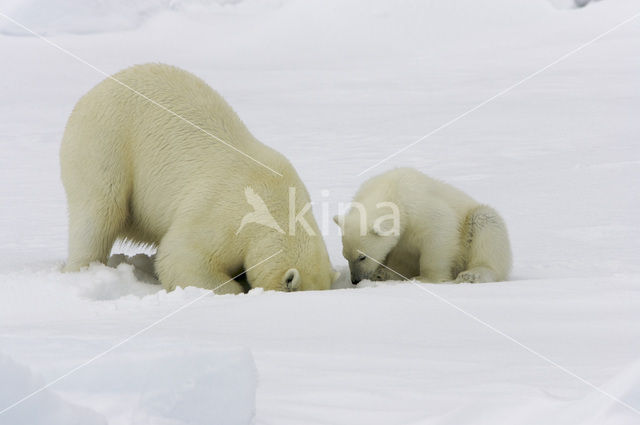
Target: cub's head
<point>301,263</point>
<point>366,242</point>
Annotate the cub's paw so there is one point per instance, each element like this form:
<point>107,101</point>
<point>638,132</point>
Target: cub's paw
<point>380,275</point>
<point>383,273</point>
<point>470,276</point>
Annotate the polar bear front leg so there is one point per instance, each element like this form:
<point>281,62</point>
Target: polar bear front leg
<point>226,285</point>
<point>435,263</point>
<point>179,264</point>
<point>175,273</point>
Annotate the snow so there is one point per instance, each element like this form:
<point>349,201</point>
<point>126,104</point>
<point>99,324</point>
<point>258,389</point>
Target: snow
<point>18,379</point>
<point>89,16</point>
<point>337,87</point>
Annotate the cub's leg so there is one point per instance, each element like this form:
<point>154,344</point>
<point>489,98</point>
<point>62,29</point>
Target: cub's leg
<point>486,242</point>
<point>400,265</point>
<point>180,264</point>
<point>439,250</point>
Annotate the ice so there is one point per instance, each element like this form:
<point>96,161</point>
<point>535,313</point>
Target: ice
<point>44,407</point>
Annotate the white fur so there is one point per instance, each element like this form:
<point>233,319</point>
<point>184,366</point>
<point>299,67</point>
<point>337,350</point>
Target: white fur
<point>133,170</point>
<point>443,233</point>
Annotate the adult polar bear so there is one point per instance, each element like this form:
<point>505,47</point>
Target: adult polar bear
<point>434,233</point>
<point>134,168</point>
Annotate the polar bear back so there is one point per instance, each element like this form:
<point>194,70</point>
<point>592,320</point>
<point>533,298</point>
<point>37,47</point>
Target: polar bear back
<point>414,191</point>
<point>171,138</point>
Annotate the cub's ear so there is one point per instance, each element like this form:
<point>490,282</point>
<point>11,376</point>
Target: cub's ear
<point>383,228</point>
<point>291,280</point>
<point>339,220</point>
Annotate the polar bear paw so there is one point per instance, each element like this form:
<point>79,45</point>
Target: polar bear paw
<point>468,277</point>
<point>476,275</point>
<point>383,273</point>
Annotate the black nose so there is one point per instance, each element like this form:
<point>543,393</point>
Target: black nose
<point>355,281</point>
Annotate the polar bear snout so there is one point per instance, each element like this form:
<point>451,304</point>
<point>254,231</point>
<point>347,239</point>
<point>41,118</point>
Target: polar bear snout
<point>359,271</point>
<point>356,275</point>
<point>291,280</point>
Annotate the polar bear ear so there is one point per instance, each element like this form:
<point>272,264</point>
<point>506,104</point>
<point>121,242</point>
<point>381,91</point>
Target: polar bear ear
<point>291,280</point>
<point>339,220</point>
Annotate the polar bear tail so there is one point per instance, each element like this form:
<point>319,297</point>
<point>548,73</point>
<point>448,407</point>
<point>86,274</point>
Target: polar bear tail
<point>486,244</point>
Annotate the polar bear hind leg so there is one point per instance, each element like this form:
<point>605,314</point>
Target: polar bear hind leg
<point>97,198</point>
<point>486,245</point>
<point>96,218</point>
<point>94,226</point>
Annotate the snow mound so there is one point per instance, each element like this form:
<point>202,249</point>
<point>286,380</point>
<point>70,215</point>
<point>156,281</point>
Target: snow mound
<point>163,386</point>
<point>205,388</point>
<point>44,407</point>
<point>170,386</point>
<point>570,4</point>
<point>625,387</point>
<point>143,266</point>
<point>100,16</point>
<point>121,277</point>
<point>86,16</point>
<point>78,16</point>
<point>606,407</point>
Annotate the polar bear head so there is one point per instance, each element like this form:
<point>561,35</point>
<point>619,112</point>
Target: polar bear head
<point>368,236</point>
<point>290,263</point>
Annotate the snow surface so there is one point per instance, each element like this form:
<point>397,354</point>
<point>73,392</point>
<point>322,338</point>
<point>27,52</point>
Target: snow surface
<point>338,86</point>
<point>17,379</point>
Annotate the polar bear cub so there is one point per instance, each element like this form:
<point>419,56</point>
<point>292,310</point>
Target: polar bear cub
<point>403,224</point>
<point>155,156</point>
